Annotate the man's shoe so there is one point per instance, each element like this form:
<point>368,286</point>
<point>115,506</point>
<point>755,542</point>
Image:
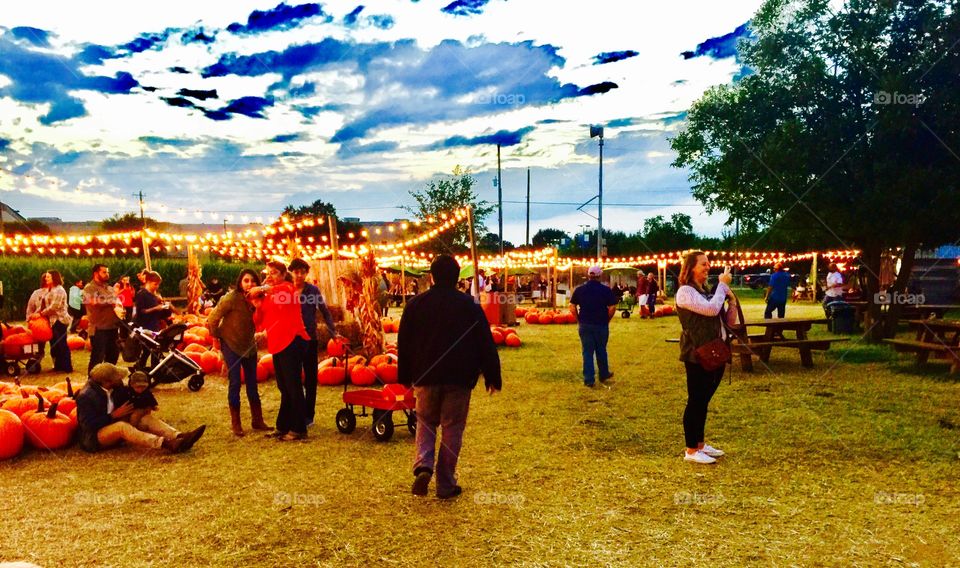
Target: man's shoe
<point>589,385</point>
<point>698,457</point>
<point>455,492</point>
<point>711,451</point>
<point>275,434</point>
<point>190,438</point>
<point>174,446</point>
<point>309,423</point>
<point>607,378</point>
<point>421,483</point>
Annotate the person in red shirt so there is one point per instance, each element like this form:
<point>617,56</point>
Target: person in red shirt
<point>125,293</point>
<point>278,315</point>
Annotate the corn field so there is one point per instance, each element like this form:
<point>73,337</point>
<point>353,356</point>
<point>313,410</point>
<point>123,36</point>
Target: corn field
<point>21,275</point>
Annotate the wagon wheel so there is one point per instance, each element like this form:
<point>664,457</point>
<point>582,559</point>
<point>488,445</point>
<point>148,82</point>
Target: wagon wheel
<point>195,383</point>
<point>12,369</point>
<point>346,421</point>
<point>412,422</point>
<point>383,426</point>
<point>33,366</point>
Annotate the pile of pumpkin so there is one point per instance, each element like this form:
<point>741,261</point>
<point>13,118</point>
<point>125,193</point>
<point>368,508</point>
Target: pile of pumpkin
<point>505,336</point>
<point>381,368</point>
<point>15,337</point>
<point>44,417</point>
<point>390,325</point>
<point>535,316</point>
<point>665,310</point>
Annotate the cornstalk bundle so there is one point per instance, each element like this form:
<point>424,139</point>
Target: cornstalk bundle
<point>361,288</point>
<point>194,284</point>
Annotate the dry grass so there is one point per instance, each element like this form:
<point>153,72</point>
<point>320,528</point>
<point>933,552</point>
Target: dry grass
<point>853,462</point>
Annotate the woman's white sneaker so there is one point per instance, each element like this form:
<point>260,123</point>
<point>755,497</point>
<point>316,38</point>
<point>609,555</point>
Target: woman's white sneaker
<point>711,451</point>
<point>698,457</point>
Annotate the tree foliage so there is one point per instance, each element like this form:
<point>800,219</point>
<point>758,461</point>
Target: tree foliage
<point>846,131</point>
<point>131,222</point>
<point>445,195</point>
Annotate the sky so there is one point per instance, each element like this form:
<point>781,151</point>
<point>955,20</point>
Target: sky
<point>232,110</point>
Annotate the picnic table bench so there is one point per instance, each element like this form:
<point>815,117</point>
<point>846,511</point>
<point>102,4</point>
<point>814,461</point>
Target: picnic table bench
<point>746,346</point>
<point>908,312</point>
<point>934,337</point>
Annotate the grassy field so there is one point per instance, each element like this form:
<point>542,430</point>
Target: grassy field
<point>853,462</point>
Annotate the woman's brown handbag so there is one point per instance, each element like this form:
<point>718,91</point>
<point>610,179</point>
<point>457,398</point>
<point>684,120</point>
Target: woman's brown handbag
<point>715,354</point>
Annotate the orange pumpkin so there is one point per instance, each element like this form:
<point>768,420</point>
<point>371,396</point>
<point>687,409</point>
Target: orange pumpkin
<point>210,361</point>
<point>356,360</point>
<point>532,317</point>
<point>545,319</point>
<point>336,347</point>
<point>196,357</point>
<point>84,323</point>
<point>363,376</point>
<point>40,328</point>
<point>331,376</point>
<point>387,373</point>
<point>520,312</point>
<point>20,405</point>
<point>497,337</point>
<point>513,340</point>
<point>195,348</point>
<point>47,429</point>
<point>75,342</point>
<point>11,434</point>
<point>378,359</point>
<point>13,344</point>
<point>267,362</point>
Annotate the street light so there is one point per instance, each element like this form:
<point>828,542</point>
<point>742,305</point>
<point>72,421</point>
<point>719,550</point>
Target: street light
<point>596,131</point>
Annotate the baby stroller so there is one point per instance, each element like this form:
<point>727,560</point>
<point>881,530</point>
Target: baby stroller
<point>142,345</point>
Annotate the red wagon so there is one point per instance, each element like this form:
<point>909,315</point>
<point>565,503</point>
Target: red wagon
<point>382,403</point>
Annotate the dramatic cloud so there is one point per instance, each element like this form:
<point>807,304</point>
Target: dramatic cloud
<point>283,17</point>
<point>38,37</point>
<point>612,56</point>
<point>41,77</point>
<point>465,7</point>
<point>723,46</point>
<point>282,138</point>
<point>502,137</point>
<point>198,94</point>
<point>352,150</point>
<point>4,143</point>
<point>350,19</point>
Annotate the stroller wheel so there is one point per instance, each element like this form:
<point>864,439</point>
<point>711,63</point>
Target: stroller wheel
<point>195,383</point>
<point>625,314</point>
<point>33,366</point>
<point>346,421</point>
<point>383,426</point>
<point>12,369</point>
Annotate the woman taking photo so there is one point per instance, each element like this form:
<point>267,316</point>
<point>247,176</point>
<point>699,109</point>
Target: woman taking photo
<point>231,325</point>
<point>278,315</point>
<point>50,302</point>
<point>700,318</point>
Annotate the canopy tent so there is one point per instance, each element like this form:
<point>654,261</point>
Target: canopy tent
<point>416,273</point>
<point>620,269</point>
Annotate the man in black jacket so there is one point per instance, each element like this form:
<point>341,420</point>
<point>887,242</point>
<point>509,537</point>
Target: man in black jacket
<point>102,423</point>
<point>444,343</point>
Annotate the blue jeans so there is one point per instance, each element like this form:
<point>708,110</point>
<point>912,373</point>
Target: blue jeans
<point>781,308</point>
<point>442,407</point>
<point>593,339</point>
<point>235,365</point>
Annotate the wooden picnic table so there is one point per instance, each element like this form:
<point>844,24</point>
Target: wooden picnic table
<point>907,312</point>
<point>761,345</point>
<point>934,336</point>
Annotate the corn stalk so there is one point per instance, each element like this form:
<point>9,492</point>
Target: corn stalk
<point>360,290</point>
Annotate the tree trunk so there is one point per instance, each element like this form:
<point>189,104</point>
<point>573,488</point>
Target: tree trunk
<point>899,285</point>
<point>871,258</point>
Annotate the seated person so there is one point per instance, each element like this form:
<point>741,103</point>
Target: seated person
<point>138,394</point>
<point>102,425</point>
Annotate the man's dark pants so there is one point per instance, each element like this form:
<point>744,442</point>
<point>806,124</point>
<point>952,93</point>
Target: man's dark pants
<point>444,407</point>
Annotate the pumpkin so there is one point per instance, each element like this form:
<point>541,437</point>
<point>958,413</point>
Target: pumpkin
<point>545,319</point>
<point>387,373</point>
<point>520,312</point>
<point>75,342</point>
<point>336,347</point>
<point>497,337</point>
<point>40,328</point>
<point>195,348</point>
<point>202,332</point>
<point>13,344</point>
<point>363,376</point>
<point>210,362</point>
<point>13,330</point>
<point>196,357</point>
<point>356,360</point>
<point>263,374</point>
<point>11,434</point>
<point>331,376</point>
<point>267,362</point>
<point>513,340</point>
<point>84,323</point>
<point>532,317</point>
<point>54,395</point>
<point>47,429</point>
<point>509,331</point>
<point>329,362</point>
<point>67,387</point>
<point>20,405</point>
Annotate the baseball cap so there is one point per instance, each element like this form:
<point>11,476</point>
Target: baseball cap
<point>595,271</point>
<point>106,373</point>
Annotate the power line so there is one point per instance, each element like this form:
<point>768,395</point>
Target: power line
<point>610,204</point>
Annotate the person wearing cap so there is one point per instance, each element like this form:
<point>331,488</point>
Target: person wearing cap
<point>137,392</point>
<point>311,302</point>
<point>593,304</point>
<point>444,344</point>
<point>102,423</point>
<point>653,289</point>
<point>777,290</point>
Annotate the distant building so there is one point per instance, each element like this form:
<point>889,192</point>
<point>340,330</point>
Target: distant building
<point>10,215</point>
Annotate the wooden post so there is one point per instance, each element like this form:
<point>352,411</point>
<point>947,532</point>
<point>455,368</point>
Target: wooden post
<point>334,243</point>
<point>473,253</point>
<point>553,298</point>
<point>403,281</point>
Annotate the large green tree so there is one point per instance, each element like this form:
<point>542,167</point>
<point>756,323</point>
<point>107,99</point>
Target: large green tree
<point>131,222</point>
<point>445,195</point>
<point>848,128</point>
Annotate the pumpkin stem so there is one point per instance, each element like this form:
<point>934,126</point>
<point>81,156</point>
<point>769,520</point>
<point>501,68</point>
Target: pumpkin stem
<point>52,413</point>
<point>69,388</point>
<point>39,404</point>
<point>16,381</point>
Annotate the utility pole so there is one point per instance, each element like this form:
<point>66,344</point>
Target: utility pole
<point>3,232</point>
<point>598,131</point>
<point>143,234</point>
<point>528,207</point>
<point>499,201</point>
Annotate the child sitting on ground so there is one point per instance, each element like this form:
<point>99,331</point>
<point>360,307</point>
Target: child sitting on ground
<point>136,392</point>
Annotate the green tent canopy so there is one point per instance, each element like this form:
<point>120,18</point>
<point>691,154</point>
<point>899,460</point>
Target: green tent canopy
<point>406,270</point>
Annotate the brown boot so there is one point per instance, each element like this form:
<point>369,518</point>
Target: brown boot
<point>256,418</point>
<point>235,421</point>
<point>174,446</point>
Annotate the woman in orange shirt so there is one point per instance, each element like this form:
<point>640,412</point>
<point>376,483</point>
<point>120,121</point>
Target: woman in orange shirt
<point>278,315</point>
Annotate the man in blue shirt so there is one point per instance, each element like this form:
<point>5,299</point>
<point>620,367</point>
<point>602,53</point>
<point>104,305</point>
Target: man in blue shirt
<point>311,301</point>
<point>594,304</point>
<point>777,292</point>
